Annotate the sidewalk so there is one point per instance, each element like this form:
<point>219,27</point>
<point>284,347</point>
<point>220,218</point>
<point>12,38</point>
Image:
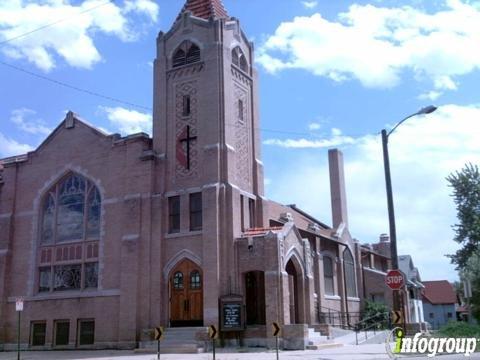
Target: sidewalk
<point>347,352</point>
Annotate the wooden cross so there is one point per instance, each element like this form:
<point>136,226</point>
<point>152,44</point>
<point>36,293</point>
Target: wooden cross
<point>187,140</point>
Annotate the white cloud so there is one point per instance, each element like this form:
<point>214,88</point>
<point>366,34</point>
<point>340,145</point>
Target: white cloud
<point>336,139</point>
<point>310,4</point>
<point>23,119</point>
<point>430,95</point>
<point>314,126</point>
<point>423,152</point>
<point>376,44</point>
<point>71,40</point>
<point>128,121</point>
<point>10,147</point>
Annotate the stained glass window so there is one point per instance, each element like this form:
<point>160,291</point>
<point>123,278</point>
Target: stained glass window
<point>178,280</point>
<point>349,268</point>
<point>45,279</point>
<point>195,280</point>
<point>93,216</point>
<point>67,277</point>
<point>328,275</point>
<point>91,275</point>
<point>48,220</point>
<point>71,211</point>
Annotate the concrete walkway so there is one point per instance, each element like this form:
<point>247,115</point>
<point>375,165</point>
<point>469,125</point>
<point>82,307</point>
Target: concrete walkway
<point>347,352</point>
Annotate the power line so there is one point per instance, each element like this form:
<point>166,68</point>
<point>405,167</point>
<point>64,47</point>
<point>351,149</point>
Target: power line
<point>73,87</point>
<point>54,23</point>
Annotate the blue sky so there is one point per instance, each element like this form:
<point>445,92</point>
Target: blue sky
<point>332,74</point>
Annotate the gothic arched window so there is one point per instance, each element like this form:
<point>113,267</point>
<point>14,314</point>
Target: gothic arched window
<point>186,53</point>
<point>349,269</point>
<point>239,59</point>
<point>71,212</point>
<point>69,235</point>
<point>328,271</point>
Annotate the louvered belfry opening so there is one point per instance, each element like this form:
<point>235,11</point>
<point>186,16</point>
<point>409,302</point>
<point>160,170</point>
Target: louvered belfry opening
<point>186,53</point>
<point>205,9</point>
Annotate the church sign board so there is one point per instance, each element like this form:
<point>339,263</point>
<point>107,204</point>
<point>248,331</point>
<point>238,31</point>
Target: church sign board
<point>232,313</point>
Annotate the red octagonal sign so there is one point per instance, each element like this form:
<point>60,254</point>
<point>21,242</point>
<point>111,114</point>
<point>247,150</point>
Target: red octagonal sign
<point>394,279</point>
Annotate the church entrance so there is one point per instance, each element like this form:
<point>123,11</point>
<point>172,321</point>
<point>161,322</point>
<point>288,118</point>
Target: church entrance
<point>186,295</point>
<point>255,297</point>
<point>293,292</point>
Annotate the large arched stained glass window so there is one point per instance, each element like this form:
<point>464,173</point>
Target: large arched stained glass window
<point>69,236</point>
<point>71,211</point>
<point>349,269</point>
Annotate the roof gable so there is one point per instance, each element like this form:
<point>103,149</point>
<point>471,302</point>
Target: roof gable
<point>439,292</point>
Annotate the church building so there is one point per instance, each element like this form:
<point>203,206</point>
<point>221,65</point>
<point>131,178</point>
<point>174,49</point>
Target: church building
<point>172,229</point>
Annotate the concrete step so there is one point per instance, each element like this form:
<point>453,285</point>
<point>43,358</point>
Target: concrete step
<point>171,349</point>
<point>324,346</point>
<point>175,340</point>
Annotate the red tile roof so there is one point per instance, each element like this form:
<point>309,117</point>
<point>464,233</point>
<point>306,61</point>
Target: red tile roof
<point>205,9</point>
<point>439,292</point>
<point>260,231</point>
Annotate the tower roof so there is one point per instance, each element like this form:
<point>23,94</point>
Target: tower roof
<point>205,9</point>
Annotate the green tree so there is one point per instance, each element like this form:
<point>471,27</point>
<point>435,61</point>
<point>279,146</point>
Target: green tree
<point>466,195</point>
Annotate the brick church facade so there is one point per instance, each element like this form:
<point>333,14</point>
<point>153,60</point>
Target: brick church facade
<point>142,231</point>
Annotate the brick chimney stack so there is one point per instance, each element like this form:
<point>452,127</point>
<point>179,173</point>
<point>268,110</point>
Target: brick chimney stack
<point>337,188</point>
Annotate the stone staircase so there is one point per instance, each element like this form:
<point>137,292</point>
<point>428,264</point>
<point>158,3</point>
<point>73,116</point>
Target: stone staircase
<point>185,340</point>
<point>317,341</point>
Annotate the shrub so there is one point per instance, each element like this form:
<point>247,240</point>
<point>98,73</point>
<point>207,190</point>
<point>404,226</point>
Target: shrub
<point>459,329</point>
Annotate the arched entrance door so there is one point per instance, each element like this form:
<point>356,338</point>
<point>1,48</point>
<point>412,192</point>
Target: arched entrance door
<point>293,292</point>
<point>186,295</point>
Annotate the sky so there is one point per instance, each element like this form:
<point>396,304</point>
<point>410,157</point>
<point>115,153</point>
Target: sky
<point>333,74</point>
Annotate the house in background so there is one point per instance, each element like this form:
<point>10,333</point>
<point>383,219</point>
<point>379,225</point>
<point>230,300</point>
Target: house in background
<point>413,294</point>
<point>439,302</point>
<point>375,262</point>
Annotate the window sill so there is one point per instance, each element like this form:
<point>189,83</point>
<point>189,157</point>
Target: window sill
<point>70,295</point>
<point>331,297</point>
<point>353,299</point>
<point>183,234</point>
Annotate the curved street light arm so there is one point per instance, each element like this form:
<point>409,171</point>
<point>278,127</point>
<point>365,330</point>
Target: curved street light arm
<point>426,110</point>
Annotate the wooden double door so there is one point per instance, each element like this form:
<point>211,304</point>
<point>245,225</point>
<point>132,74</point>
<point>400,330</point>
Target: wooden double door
<point>186,295</point>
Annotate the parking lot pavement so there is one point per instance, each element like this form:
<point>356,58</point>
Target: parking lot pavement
<point>349,352</point>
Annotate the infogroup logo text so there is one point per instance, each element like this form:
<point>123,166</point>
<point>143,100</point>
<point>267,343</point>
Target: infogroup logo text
<point>431,346</point>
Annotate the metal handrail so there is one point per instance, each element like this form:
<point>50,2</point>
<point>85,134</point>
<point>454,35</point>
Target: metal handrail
<point>363,324</point>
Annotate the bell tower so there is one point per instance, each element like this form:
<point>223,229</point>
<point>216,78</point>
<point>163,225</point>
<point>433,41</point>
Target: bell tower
<point>206,140</point>
<point>205,120</point>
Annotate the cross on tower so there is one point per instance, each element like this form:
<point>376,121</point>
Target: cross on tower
<point>187,140</point>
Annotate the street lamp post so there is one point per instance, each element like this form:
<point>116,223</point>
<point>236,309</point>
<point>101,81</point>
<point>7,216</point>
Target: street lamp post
<point>388,183</point>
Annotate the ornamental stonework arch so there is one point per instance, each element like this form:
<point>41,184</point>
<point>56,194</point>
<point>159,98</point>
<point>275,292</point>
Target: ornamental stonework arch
<point>36,216</point>
<point>179,257</point>
<point>296,257</point>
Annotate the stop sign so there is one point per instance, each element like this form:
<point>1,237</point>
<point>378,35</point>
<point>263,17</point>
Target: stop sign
<point>394,279</point>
